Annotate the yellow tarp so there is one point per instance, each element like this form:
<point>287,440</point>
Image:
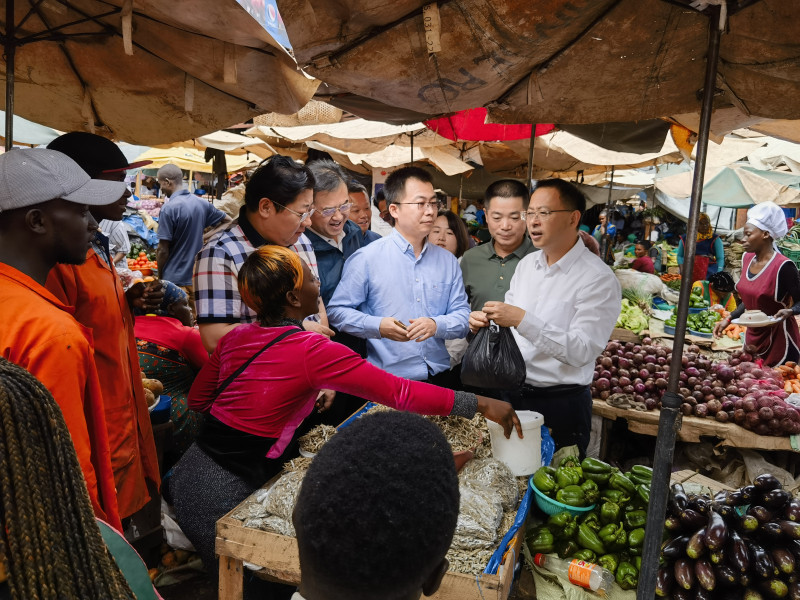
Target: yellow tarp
<point>192,160</point>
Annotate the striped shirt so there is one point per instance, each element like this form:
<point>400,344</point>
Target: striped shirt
<point>216,293</point>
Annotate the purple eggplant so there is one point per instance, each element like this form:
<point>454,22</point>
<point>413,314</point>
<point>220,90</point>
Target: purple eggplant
<point>774,588</point>
<point>738,556</point>
<point>748,523</point>
<point>771,532</point>
<point>675,547</point>
<point>784,560</point>
<point>718,557</point>
<point>696,546</point>
<point>704,574</point>
<point>760,513</point>
<point>692,520</point>
<point>794,590</point>
<point>681,594</point>
<point>775,499</point>
<point>790,529</point>
<point>703,594</point>
<point>672,523</point>
<point>716,531</point>
<point>726,576</point>
<point>751,594</point>
<point>684,573</point>
<point>678,500</point>
<point>792,510</point>
<point>762,562</point>
<point>735,499</point>
<point>664,580</point>
<point>766,482</point>
<point>750,493</point>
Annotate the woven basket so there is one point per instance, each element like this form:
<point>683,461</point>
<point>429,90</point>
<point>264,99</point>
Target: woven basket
<point>313,113</point>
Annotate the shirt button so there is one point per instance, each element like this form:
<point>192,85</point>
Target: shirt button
<point>501,276</point>
<point>417,280</point>
<point>417,299</point>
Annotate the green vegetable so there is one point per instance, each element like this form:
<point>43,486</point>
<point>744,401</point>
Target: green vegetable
<point>635,518</point>
<point>641,471</point>
<point>566,548</point>
<point>615,496</point>
<point>540,540</point>
<point>601,479</point>
<point>627,576</point>
<point>571,495</point>
<point>632,317</point>
<point>585,555</point>
<point>644,493</point>
<point>593,465</point>
<point>592,520</point>
<point>609,561</point>
<point>609,512</point>
<point>618,481</point>
<point>568,476</point>
<point>636,538</point>
<point>563,524</point>
<point>544,481</point>
<point>591,491</point>
<point>588,539</point>
<point>570,461</point>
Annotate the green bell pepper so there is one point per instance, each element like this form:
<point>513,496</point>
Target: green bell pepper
<point>606,531</point>
<point>563,525</point>
<point>609,561</point>
<point>585,555</point>
<point>566,548</point>
<point>571,495</point>
<point>593,465</point>
<point>570,461</point>
<point>591,520</point>
<point>587,538</point>
<point>544,481</point>
<point>609,512</point>
<point>591,491</point>
<point>613,537</point>
<point>635,518</point>
<point>637,561</point>
<point>568,476</point>
<point>615,496</point>
<point>627,576</point>
<point>601,479</point>
<point>636,538</point>
<point>644,493</point>
<point>540,540</point>
<point>618,481</point>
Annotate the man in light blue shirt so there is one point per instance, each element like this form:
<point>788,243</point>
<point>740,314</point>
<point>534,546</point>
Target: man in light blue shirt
<point>405,296</point>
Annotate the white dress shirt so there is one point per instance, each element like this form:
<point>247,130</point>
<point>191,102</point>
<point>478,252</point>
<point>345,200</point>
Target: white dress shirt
<point>571,308</point>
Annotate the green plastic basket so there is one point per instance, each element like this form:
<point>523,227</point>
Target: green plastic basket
<point>553,507</point>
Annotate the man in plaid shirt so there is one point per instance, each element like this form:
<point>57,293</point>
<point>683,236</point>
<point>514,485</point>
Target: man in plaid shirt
<point>277,209</point>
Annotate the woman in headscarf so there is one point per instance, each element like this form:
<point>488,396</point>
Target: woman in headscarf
<point>170,350</point>
<point>709,246</point>
<point>771,283</point>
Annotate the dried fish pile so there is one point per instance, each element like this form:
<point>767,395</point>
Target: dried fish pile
<point>494,475</point>
<point>315,439</point>
<point>301,463</point>
<point>282,496</point>
<point>460,433</point>
<point>469,562</point>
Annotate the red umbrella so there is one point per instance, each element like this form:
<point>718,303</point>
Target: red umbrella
<point>470,125</point>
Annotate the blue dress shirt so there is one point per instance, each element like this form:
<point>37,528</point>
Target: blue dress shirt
<point>386,279</point>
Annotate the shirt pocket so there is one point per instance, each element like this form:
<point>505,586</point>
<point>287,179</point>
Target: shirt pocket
<point>438,297</point>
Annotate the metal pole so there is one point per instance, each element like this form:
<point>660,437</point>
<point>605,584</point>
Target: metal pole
<point>412,147</point>
<point>530,156</point>
<point>607,241</point>
<point>10,49</point>
<point>670,404</point>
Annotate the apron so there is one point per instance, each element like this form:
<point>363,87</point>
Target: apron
<point>705,261</point>
<point>759,293</point>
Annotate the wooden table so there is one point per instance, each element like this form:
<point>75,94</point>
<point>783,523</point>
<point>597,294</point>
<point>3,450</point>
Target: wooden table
<point>692,428</point>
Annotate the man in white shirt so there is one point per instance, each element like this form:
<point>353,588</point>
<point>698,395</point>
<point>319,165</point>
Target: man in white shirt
<point>562,304</point>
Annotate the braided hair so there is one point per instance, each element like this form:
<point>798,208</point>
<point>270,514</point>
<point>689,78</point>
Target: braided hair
<point>50,543</point>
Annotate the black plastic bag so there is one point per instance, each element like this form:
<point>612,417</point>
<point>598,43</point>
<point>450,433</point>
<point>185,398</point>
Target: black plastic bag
<point>493,360</point>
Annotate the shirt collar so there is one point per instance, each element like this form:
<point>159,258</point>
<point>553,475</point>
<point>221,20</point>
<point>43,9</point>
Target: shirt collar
<point>406,246</point>
<point>249,231</point>
<point>520,252</point>
<point>24,280</point>
<point>566,262</point>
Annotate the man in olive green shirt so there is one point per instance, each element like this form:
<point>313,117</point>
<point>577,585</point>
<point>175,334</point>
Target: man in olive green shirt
<point>487,269</point>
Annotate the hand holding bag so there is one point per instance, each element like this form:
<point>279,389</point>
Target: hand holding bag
<point>493,360</point>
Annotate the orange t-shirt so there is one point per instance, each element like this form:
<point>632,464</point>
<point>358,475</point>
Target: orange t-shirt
<point>40,335</point>
<point>95,291</point>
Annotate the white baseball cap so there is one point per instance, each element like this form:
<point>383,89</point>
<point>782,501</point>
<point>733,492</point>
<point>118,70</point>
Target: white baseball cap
<point>36,175</point>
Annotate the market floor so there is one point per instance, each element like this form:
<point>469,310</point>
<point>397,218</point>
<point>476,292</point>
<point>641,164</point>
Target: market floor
<point>196,588</point>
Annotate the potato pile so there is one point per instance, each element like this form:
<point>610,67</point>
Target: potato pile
<point>153,389</point>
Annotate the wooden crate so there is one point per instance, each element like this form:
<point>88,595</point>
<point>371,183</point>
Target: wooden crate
<point>279,557</point>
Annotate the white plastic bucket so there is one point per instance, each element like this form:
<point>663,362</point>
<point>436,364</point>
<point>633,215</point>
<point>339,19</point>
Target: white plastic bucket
<point>522,456</point>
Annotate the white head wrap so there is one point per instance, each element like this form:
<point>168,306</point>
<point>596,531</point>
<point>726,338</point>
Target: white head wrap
<point>768,217</point>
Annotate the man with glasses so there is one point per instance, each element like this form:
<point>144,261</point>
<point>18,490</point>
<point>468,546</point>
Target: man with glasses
<point>404,295</point>
<point>333,235</point>
<point>278,206</point>
<point>487,269</point>
<point>562,304</point>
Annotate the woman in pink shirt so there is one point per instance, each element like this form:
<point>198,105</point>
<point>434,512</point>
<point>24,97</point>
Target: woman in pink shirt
<point>264,379</point>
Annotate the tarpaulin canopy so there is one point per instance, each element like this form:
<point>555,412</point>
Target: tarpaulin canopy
<point>28,132</point>
<point>146,72</point>
<point>551,61</point>
<point>230,143</point>
<point>192,159</point>
<point>470,125</point>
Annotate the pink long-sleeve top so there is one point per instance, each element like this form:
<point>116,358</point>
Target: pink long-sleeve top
<point>278,389</point>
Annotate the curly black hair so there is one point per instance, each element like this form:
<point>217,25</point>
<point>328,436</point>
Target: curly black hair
<point>377,510</point>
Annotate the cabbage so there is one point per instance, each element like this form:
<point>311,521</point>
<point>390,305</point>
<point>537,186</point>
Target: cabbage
<point>632,318</point>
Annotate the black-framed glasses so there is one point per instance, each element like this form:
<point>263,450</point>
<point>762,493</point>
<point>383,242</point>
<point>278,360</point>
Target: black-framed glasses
<point>303,216</point>
<point>423,205</point>
<point>543,214</point>
<point>329,212</point>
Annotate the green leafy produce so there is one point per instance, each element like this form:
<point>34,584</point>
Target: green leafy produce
<point>632,317</point>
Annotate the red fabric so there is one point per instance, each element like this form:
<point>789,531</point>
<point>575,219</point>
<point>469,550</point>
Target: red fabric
<point>40,335</point>
<point>644,265</point>
<point>470,125</point>
<point>94,289</point>
<point>759,294</point>
<point>290,374</point>
<point>171,333</point>
<point>700,268</point>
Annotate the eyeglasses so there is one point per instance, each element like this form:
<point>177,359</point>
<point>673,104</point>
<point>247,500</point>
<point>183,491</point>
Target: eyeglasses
<point>303,216</point>
<point>329,212</point>
<point>513,216</point>
<point>422,205</point>
<point>542,215</point>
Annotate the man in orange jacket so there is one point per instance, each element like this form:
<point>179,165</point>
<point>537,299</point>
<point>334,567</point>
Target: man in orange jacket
<point>101,304</point>
<point>44,220</point>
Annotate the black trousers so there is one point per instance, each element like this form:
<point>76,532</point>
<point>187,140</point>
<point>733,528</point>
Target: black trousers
<point>567,411</point>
